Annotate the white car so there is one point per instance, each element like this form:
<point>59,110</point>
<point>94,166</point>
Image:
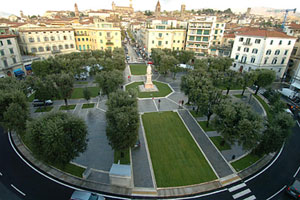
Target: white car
<point>288,92</point>
<point>85,195</point>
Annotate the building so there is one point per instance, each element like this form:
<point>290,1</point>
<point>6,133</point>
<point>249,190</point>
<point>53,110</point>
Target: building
<point>262,49</point>
<point>76,10</point>
<point>46,41</point>
<point>98,36</point>
<point>202,33</point>
<point>182,10</point>
<point>123,9</point>
<point>157,9</point>
<point>10,56</point>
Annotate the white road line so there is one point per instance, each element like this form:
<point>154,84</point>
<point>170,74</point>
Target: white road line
<point>240,194</point>
<point>203,195</point>
<point>267,166</point>
<point>17,189</point>
<point>250,198</point>
<point>276,193</point>
<point>234,188</point>
<point>296,172</point>
<point>1,174</point>
<point>155,105</point>
<point>298,123</point>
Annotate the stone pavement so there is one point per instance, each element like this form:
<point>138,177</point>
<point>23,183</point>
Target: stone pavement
<point>219,164</point>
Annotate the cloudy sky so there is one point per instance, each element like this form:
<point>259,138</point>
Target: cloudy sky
<point>31,7</point>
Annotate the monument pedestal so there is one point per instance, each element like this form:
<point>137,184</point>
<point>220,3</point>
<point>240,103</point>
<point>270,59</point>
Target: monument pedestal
<point>148,86</point>
<point>142,88</point>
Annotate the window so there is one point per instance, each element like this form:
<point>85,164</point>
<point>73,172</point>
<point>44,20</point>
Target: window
<point>206,32</point>
<point>182,41</point>
<point>234,65</point>
<point>31,39</point>
<point>236,57</point>
<point>166,42</point>
<point>83,47</point>
<point>38,39</point>
<point>8,42</point>
<point>239,48</point>
<point>173,41</point>
<point>221,31</point>
<point>178,41</point>
<point>279,69</point>
<point>11,50</point>
<point>198,38</point>
<point>5,63</point>
<point>65,37</point>
<point>1,43</point>
<point>257,41</point>
<point>2,52</point>
<point>277,52</point>
<point>199,32</point>
<point>217,26</point>
<point>14,60</point>
<point>60,47</point>
<point>48,48</point>
<point>46,39</point>
<point>269,51</point>
<point>100,34</point>
<point>159,43</point>
<point>79,47</point>
<point>289,43</point>
<point>41,49</point>
<point>248,40</point>
<point>252,60</point>
<point>72,46</point>
<point>283,60</point>
<point>86,39</point>
<point>254,51</point>
<point>191,38</point>
<point>33,50</point>
<point>244,59</point>
<point>78,39</point>
<point>66,46</point>
<point>116,33</point>
<point>101,41</point>
<point>286,52</point>
<point>246,49</point>
<point>54,48</point>
<point>241,39</point>
<point>82,39</point>
<point>52,38</point>
<point>215,37</point>
<point>88,47</point>
<point>205,38</point>
<point>274,61</point>
<point>294,51</point>
<point>216,31</point>
<point>152,41</point>
<point>280,42</point>
<point>271,42</point>
<point>266,60</point>
<point>160,35</point>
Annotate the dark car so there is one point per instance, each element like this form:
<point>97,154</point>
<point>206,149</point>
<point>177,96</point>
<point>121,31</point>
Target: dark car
<point>84,195</point>
<point>294,189</point>
<point>37,102</point>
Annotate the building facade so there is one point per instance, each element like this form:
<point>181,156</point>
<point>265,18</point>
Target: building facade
<point>10,56</point>
<point>262,49</point>
<point>46,41</point>
<point>202,33</point>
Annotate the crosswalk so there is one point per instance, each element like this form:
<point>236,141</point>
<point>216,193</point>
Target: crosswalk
<point>241,192</point>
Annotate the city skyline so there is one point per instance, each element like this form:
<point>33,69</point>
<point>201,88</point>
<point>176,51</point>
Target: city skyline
<point>40,8</point>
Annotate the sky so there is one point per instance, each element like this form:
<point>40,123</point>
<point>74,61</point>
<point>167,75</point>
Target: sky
<point>38,7</point>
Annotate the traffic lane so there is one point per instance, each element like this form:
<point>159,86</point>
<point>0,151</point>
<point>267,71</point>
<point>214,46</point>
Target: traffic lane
<point>25,179</point>
<point>281,172</point>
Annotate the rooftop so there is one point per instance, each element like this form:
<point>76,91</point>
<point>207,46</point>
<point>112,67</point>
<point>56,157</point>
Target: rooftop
<point>7,36</point>
<point>265,33</point>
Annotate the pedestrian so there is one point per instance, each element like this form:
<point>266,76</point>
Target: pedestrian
<point>158,103</point>
<point>182,102</point>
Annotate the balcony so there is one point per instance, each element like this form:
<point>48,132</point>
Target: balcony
<point>81,34</point>
<point>109,37</point>
<point>160,38</point>
<point>55,51</point>
<point>247,43</point>
<point>109,43</point>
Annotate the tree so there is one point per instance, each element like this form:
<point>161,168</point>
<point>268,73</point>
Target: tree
<point>237,122</point>
<point>277,130</point>
<point>247,79</point>
<point>44,89</point>
<point>87,94</point>
<point>264,78</point>
<point>168,63</point>
<point>72,14</point>
<point>64,86</point>
<point>15,117</point>
<point>156,55</point>
<point>122,120</point>
<point>230,79</point>
<point>41,68</point>
<point>109,81</point>
<point>57,138</point>
<point>184,56</point>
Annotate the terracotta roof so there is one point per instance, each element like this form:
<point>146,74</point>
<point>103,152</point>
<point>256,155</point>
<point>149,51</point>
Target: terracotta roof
<point>7,36</point>
<point>229,35</point>
<point>265,33</point>
<point>164,18</point>
<point>294,26</point>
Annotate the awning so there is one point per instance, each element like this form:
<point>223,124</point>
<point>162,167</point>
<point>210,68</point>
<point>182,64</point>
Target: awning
<point>28,67</point>
<point>296,85</point>
<point>18,72</point>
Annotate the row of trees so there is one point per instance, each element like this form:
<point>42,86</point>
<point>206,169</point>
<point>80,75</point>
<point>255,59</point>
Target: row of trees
<point>74,63</point>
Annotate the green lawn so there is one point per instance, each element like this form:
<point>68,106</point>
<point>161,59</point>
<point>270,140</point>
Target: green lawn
<point>125,160</point>
<point>138,69</point>
<point>81,82</point>
<point>44,109</point>
<point>239,96</point>
<point>245,162</point>
<point>205,128</point>
<point>78,92</point>
<point>30,98</point>
<point>217,140</point>
<point>88,105</point>
<point>70,107</point>
<point>193,112</point>
<point>163,89</point>
<point>264,104</point>
<point>176,158</point>
<point>71,169</point>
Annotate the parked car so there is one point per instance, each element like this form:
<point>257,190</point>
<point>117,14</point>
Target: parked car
<point>294,189</point>
<point>288,93</point>
<point>85,195</point>
<point>37,102</point>
<point>81,76</point>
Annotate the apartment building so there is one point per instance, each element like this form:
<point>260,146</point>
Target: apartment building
<point>45,41</point>
<point>101,35</point>
<point>10,57</point>
<point>202,33</point>
<point>262,49</point>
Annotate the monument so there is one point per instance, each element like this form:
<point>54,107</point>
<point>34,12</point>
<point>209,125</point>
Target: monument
<point>148,85</point>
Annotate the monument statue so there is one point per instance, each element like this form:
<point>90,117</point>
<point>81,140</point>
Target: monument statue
<point>148,85</point>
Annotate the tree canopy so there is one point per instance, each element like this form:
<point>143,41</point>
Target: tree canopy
<point>109,81</point>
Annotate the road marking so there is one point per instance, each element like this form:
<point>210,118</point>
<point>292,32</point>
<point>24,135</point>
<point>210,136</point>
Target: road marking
<point>155,105</point>
<point>1,174</point>
<point>236,187</point>
<point>18,190</point>
<point>240,194</point>
<point>203,195</point>
<point>296,172</point>
<point>298,123</point>
<point>267,166</point>
<point>250,198</point>
<point>276,193</point>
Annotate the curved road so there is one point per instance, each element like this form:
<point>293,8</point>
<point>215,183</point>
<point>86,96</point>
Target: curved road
<point>16,175</point>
